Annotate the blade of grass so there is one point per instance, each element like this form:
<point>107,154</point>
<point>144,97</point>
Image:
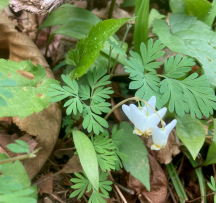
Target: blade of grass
<point>199,176</point>
<point>141,24</point>
<point>209,19</point>
<point>176,182</point>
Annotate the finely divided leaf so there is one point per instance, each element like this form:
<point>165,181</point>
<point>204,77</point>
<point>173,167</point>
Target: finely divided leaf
<point>177,68</point>
<point>29,95</point>
<point>88,48</point>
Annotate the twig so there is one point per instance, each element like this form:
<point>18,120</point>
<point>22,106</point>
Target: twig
<point>117,189</point>
<point>171,193</point>
<point>131,192</point>
<point>199,197</point>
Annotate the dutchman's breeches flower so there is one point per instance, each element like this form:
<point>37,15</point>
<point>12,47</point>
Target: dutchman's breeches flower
<point>160,135</point>
<point>145,120</point>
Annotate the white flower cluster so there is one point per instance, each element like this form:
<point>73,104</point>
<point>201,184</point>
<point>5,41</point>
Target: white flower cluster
<point>145,122</point>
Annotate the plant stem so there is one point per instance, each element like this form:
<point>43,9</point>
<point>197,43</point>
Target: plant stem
<point>125,35</point>
<point>111,9</point>
<point>137,99</point>
<point>25,156</point>
<point>120,74</point>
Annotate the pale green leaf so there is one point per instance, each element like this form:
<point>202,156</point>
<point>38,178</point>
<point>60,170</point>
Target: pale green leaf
<point>177,6</point>
<point>191,132</point>
<point>3,4</point>
<point>87,156</point>
<point>191,37</point>
<point>19,147</point>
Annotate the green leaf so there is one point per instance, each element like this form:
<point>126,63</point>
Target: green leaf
<point>105,151</point>
<point>209,18</point>
<point>154,14</point>
<point>128,3</point>
<point>141,24</point>
<point>3,4</point>
<point>191,94</point>
<point>191,37</point>
<point>29,95</point>
<point>211,159</point>
<point>197,8</point>
<point>74,15</point>
<point>5,82</point>
<point>16,186</point>
<point>146,83</point>
<point>116,47</point>
<point>133,147</point>
<point>88,48</point>
<point>83,184</point>
<point>191,132</point>
<point>177,6</point>
<point>19,147</point>
<point>177,68</point>
<point>87,156</point>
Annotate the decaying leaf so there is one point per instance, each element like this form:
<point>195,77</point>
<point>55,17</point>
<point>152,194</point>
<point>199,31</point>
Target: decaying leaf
<point>45,184</point>
<point>46,124</point>
<point>40,7</point>
<point>73,165</point>
<point>158,184</point>
<point>164,156</point>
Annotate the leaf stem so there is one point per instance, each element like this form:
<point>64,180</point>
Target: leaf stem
<point>25,156</point>
<point>136,99</point>
<point>125,35</point>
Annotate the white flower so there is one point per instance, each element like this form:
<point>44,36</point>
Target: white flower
<point>160,135</point>
<point>143,118</point>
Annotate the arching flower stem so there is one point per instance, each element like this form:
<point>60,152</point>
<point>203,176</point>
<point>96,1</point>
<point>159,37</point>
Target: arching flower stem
<point>136,99</point>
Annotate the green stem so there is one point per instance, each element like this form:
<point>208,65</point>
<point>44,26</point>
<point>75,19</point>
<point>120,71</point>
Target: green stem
<point>25,156</point>
<point>125,35</point>
<point>111,9</point>
<point>136,99</point>
<point>120,74</point>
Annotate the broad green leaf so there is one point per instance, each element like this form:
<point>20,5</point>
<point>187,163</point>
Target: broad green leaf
<point>3,4</point>
<point>197,8</point>
<point>191,37</point>
<point>88,48</point>
<point>19,147</point>
<point>133,147</point>
<point>70,14</point>
<point>191,132</point>
<point>29,95</point>
<point>211,158</point>
<point>177,6</point>
<point>141,24</point>
<point>87,156</point>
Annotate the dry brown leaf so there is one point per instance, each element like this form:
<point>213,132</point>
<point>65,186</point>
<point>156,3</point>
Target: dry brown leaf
<point>46,124</point>
<point>73,165</point>
<point>158,184</point>
<point>30,141</point>
<point>116,111</point>
<point>40,7</point>
<point>45,184</point>
<point>164,156</point>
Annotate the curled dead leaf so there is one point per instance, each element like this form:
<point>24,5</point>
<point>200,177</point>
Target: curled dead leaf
<point>158,184</point>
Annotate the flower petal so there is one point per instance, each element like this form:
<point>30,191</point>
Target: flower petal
<point>170,126</point>
<point>152,102</point>
<point>127,112</point>
<point>155,147</point>
<point>159,136</point>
